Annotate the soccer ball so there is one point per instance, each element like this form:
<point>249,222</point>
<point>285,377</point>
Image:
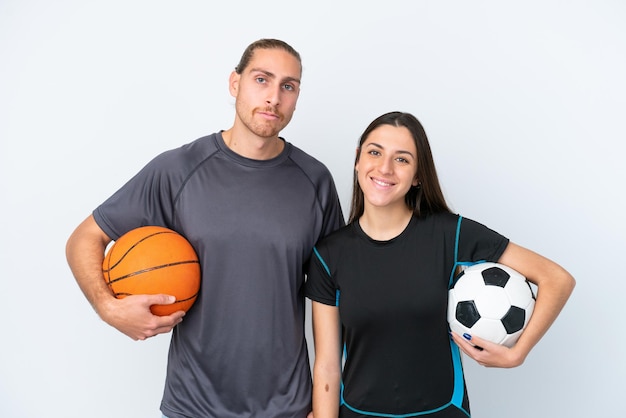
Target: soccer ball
<point>491,301</point>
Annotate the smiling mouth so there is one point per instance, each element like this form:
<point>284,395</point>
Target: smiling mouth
<point>381,183</point>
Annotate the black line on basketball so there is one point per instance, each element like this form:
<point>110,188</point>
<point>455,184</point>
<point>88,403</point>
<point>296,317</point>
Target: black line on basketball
<point>153,268</point>
<point>117,294</point>
<point>134,245</point>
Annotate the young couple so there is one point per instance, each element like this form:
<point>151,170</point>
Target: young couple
<point>254,206</point>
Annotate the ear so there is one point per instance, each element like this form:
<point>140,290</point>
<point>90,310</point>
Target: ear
<point>356,158</point>
<point>416,181</point>
<point>233,83</point>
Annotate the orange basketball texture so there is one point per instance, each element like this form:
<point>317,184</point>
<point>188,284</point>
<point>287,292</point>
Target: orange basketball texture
<point>153,260</point>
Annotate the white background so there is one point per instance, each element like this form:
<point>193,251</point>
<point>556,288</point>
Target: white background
<point>524,104</point>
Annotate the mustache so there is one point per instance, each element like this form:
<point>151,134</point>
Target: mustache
<point>272,110</point>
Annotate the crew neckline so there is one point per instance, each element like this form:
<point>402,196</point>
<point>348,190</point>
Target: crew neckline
<point>251,162</point>
<point>360,232</point>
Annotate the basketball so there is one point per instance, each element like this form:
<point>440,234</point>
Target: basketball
<point>153,260</point>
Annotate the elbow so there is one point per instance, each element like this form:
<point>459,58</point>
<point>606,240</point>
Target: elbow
<point>571,284</point>
<point>567,283</point>
<point>70,247</point>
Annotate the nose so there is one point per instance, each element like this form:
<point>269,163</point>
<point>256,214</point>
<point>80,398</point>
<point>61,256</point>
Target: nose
<point>386,166</point>
<point>273,96</point>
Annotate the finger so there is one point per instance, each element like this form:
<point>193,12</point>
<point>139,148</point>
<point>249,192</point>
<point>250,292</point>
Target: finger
<point>464,341</point>
<point>467,347</point>
<point>474,342</point>
<point>160,299</point>
<point>161,328</point>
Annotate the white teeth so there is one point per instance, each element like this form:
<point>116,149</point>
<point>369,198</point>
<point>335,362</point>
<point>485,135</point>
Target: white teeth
<point>382,183</point>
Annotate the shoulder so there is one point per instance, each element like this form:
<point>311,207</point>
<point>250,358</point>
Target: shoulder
<point>470,225</point>
<point>182,161</point>
<point>344,237</point>
<point>445,220</point>
<point>310,165</point>
<point>329,252</point>
<point>197,150</point>
<point>455,222</point>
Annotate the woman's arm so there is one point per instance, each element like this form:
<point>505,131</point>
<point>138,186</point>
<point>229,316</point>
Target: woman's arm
<point>327,366</point>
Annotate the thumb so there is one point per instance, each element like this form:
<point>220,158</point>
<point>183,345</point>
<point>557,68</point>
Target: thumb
<point>161,299</point>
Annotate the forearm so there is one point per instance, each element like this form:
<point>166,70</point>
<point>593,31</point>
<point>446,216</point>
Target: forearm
<point>326,389</point>
<point>551,298</point>
<point>327,366</point>
<point>130,315</point>
<point>554,286</point>
<point>85,252</point>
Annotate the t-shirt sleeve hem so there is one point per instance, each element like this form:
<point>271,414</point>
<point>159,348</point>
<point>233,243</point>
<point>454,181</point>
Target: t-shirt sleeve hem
<point>323,300</point>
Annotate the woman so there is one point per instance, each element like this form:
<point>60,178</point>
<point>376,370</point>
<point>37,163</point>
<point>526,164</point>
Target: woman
<point>379,288</point>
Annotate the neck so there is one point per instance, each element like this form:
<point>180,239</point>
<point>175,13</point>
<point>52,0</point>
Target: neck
<point>383,224</point>
<point>252,146</point>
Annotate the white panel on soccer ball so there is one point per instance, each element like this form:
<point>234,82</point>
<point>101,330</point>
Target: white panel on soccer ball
<point>529,309</point>
<point>492,302</point>
<point>518,291</point>
<point>511,339</point>
<point>456,326</point>
<point>489,329</point>
<point>467,288</point>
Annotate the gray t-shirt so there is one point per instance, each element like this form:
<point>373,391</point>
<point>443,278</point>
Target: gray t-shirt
<point>240,350</point>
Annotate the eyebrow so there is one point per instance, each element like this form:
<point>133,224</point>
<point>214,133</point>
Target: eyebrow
<point>270,74</point>
<point>397,152</point>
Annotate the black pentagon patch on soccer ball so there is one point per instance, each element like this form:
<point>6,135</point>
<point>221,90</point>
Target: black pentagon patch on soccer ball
<point>467,313</point>
<point>495,276</point>
<point>513,320</point>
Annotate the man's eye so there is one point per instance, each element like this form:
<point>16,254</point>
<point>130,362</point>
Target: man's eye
<point>260,79</point>
<point>288,87</point>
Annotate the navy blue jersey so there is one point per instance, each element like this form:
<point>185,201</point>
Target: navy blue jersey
<point>392,298</point>
<point>240,350</point>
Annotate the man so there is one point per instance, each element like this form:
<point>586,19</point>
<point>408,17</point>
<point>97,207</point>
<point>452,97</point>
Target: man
<point>253,206</point>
